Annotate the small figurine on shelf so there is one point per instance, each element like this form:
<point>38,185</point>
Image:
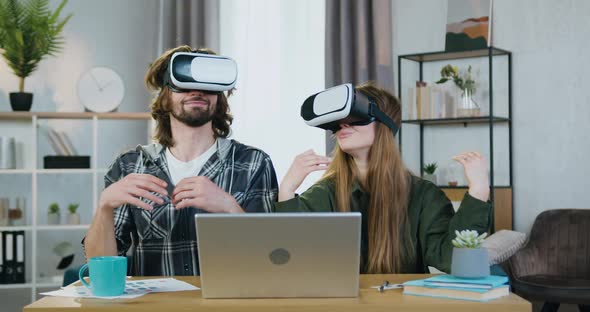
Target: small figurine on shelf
<point>429,172</point>
<point>17,214</point>
<point>454,173</point>
<point>4,211</point>
<point>53,216</point>
<point>73,216</point>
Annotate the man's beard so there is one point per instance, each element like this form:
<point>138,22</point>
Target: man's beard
<point>193,116</point>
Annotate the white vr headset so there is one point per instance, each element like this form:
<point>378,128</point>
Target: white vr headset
<point>343,105</point>
<point>200,71</point>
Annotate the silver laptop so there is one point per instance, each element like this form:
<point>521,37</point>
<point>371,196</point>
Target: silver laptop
<point>261,255</point>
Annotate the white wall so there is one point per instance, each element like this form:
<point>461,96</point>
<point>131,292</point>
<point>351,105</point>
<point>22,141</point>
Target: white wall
<point>549,41</point>
<point>279,47</point>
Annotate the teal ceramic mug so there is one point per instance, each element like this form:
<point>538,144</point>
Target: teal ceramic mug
<point>107,275</point>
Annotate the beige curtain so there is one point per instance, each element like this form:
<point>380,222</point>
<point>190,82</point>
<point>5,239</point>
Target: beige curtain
<point>358,45</point>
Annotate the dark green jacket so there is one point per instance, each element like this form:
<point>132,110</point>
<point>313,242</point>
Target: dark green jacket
<point>431,215</point>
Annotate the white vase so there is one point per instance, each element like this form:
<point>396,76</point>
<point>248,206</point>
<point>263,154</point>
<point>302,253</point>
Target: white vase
<point>74,218</point>
<point>53,218</point>
<point>467,107</point>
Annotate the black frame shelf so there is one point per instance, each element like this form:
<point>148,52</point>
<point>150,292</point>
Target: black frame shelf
<point>444,56</point>
<point>489,120</point>
<point>458,120</point>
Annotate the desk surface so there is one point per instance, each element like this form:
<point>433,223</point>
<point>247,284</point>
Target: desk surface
<point>368,300</point>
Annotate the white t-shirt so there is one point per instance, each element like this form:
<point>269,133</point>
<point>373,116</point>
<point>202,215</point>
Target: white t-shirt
<point>180,169</point>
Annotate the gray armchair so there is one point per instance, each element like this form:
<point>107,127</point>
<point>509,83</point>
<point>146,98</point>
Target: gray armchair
<point>554,266</point>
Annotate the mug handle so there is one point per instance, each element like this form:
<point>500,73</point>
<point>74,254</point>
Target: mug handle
<point>81,275</point>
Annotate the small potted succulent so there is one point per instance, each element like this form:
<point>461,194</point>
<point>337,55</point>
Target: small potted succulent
<point>73,216</point>
<point>53,216</point>
<point>429,172</point>
<point>469,260</point>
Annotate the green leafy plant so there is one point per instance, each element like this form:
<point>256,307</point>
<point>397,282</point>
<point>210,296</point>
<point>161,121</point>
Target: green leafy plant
<point>430,168</point>
<point>465,82</point>
<point>73,207</point>
<point>468,239</point>
<point>53,208</point>
<point>29,32</point>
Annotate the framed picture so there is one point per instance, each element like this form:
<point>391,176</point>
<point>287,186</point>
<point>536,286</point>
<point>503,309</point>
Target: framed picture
<point>468,25</point>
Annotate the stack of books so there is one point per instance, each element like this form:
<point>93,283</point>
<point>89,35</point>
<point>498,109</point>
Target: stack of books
<point>448,286</point>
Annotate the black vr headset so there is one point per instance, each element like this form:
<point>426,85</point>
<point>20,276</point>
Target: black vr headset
<point>200,71</point>
<point>343,105</point>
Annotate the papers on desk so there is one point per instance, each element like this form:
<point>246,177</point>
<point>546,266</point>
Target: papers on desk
<point>133,289</point>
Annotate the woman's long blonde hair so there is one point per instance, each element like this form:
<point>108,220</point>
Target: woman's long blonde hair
<point>388,184</point>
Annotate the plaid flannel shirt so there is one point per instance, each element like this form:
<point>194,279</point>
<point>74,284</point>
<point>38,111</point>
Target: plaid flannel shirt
<point>164,241</point>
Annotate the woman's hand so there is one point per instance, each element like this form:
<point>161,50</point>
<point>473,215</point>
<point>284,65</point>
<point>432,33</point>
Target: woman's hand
<point>302,165</point>
<point>476,172</point>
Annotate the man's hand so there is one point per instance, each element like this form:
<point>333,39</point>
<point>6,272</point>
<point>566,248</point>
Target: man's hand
<point>130,188</point>
<point>200,192</point>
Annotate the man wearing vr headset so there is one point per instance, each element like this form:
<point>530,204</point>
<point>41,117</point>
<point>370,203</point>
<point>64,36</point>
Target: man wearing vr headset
<point>153,192</point>
<point>407,223</point>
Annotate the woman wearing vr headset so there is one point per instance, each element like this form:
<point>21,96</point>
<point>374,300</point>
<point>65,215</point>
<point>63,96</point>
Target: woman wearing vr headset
<point>407,223</point>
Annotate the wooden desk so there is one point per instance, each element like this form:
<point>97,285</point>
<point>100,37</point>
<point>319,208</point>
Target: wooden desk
<point>368,300</point>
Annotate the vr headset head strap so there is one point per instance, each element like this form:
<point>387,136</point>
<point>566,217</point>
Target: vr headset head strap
<point>380,116</point>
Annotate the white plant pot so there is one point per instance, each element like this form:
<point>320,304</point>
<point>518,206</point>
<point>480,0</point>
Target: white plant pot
<point>470,263</point>
<point>53,218</point>
<point>430,177</point>
<point>74,218</point>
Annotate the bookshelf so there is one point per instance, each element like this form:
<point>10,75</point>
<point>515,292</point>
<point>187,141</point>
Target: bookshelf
<point>495,65</point>
<point>41,186</point>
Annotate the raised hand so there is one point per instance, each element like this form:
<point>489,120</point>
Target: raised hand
<point>302,166</point>
<point>476,172</point>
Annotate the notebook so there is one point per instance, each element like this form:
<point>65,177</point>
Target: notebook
<point>419,288</point>
<point>451,281</point>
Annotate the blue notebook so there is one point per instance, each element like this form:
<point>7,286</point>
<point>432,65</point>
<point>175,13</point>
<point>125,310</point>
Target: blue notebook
<point>419,288</point>
<point>450,281</point>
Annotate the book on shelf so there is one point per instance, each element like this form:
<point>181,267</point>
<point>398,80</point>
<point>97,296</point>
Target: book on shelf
<point>12,257</point>
<point>428,102</point>
<point>469,289</point>
<point>56,142</point>
<point>19,256</point>
<point>2,258</point>
<point>8,257</point>
<point>68,143</point>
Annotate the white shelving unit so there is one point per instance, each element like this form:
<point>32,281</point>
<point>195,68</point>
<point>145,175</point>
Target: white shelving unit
<point>16,124</point>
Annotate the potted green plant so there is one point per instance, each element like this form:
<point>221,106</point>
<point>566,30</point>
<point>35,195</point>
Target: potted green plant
<point>469,259</point>
<point>29,32</point>
<point>53,216</point>
<point>73,216</point>
<point>429,172</point>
